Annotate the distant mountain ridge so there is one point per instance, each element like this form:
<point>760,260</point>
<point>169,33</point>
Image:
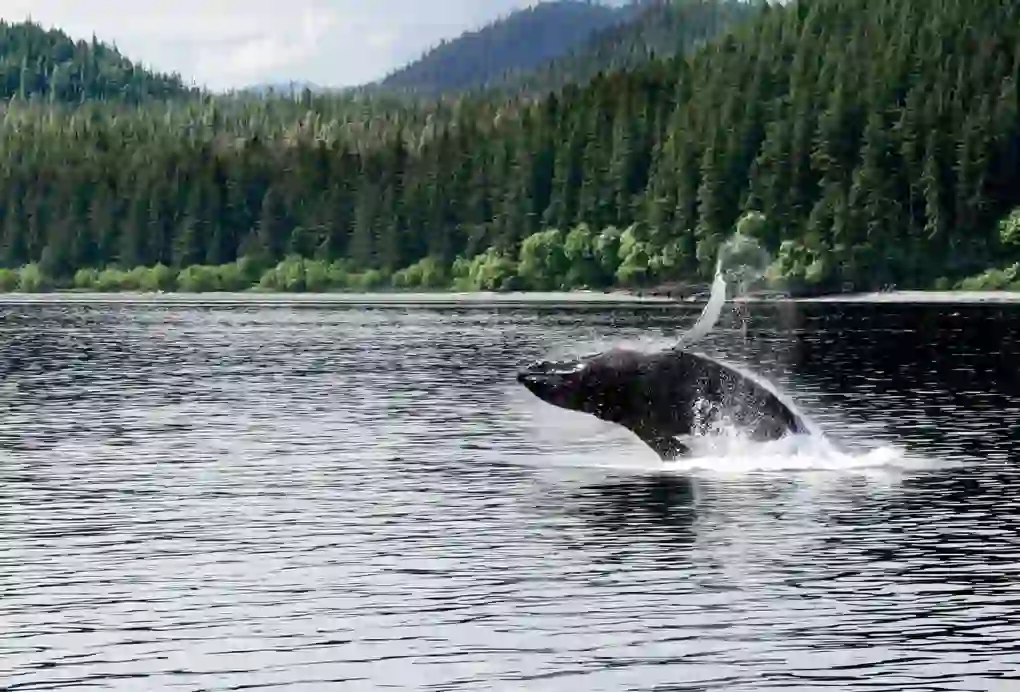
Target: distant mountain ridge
<point>519,42</point>
<point>657,29</point>
<point>552,44</point>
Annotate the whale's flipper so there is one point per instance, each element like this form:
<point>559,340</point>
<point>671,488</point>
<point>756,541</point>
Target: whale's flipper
<point>666,446</point>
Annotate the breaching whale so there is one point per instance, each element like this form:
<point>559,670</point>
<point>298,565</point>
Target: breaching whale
<point>662,395</point>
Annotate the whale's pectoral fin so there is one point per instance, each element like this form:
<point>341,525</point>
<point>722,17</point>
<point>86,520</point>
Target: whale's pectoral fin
<point>666,447</point>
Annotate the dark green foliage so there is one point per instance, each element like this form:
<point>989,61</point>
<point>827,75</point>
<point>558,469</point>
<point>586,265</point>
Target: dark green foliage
<point>879,138</point>
<point>50,65</point>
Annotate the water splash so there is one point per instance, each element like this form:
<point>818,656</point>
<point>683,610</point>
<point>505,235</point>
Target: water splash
<point>731,455</point>
<point>813,428</point>
<point>710,314</point>
<point>741,262</point>
<point>728,452</point>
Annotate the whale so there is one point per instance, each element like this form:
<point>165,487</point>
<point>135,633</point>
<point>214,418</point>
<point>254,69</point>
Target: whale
<point>662,396</point>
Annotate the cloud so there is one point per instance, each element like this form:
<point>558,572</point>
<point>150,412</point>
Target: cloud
<point>230,43</point>
<point>264,52</point>
<point>381,39</point>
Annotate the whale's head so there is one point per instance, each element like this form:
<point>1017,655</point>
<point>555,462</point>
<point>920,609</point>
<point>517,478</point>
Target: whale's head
<point>602,385</point>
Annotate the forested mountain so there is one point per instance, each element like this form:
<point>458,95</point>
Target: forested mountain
<point>521,41</point>
<point>35,62</point>
<point>878,139</point>
<point>658,29</point>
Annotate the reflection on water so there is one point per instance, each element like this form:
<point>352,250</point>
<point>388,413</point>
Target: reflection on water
<point>322,497</point>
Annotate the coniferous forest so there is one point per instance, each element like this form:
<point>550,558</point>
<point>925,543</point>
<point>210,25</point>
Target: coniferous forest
<point>875,142</point>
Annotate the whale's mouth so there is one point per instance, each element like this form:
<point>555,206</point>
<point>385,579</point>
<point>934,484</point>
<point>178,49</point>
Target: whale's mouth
<point>552,368</point>
<point>547,379</point>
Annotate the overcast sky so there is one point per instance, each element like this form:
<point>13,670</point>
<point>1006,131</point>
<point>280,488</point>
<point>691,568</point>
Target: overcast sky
<point>226,43</point>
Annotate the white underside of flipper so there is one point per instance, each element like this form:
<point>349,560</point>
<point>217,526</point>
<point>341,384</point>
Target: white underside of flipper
<point>710,313</point>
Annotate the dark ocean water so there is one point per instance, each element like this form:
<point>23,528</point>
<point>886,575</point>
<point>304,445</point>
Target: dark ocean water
<point>309,498</point>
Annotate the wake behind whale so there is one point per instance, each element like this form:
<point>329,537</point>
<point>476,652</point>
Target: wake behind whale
<point>670,397</point>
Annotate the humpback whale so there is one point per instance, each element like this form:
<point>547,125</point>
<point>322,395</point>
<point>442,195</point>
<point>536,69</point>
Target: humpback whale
<point>662,395</point>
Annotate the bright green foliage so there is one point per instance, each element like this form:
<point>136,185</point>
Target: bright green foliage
<point>32,279</point>
<point>543,263</point>
<point>634,254</point>
<point>10,280</point>
<point>489,271</point>
<point>428,273</point>
<point>1009,230</point>
<point>993,280</point>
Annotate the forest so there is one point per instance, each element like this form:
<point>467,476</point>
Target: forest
<point>873,142</point>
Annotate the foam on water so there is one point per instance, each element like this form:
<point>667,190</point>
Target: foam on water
<point>730,453</point>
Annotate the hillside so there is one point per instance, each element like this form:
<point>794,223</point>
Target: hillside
<point>521,41</point>
<point>877,141</point>
<point>36,62</point>
<point>658,29</point>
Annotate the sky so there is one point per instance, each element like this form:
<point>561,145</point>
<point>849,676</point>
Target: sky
<point>222,44</point>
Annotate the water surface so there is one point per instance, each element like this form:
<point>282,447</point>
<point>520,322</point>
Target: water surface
<point>342,497</point>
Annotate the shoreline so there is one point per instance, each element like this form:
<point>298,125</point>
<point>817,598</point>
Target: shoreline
<point>576,297</point>
<point>917,296</point>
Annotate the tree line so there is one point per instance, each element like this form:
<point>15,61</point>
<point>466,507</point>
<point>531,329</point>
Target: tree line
<point>879,140</point>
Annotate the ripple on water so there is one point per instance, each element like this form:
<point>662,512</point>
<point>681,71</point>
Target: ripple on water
<point>305,498</point>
